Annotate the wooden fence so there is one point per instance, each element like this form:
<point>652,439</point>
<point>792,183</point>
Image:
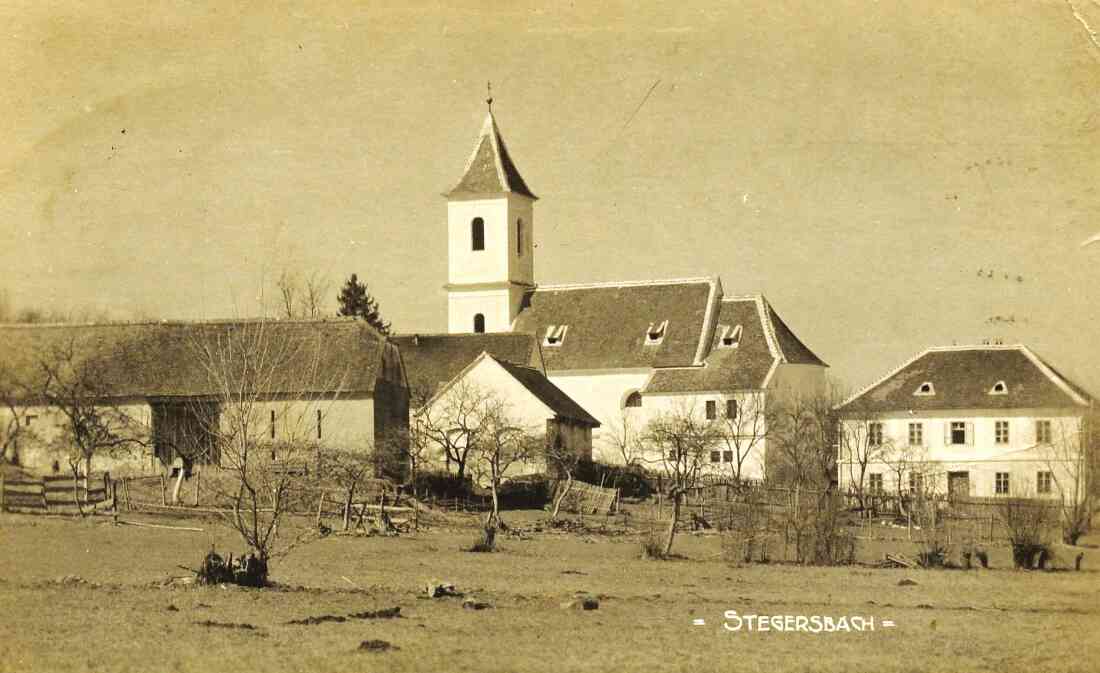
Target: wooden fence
<point>55,494</point>
<point>585,498</point>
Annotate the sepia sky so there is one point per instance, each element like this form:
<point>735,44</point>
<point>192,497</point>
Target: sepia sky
<point>857,162</point>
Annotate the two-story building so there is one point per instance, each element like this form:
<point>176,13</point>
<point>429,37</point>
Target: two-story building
<point>975,421</point>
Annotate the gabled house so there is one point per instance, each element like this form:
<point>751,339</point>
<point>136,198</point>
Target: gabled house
<point>336,383</point>
<point>521,397</point>
<point>977,421</point>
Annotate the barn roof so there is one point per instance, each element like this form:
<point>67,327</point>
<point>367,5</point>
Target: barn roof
<point>967,377</point>
<point>490,169</point>
<point>433,359</point>
<point>174,359</point>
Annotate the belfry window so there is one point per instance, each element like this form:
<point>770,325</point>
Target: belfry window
<point>477,234</point>
<point>479,323</point>
<point>519,237</point>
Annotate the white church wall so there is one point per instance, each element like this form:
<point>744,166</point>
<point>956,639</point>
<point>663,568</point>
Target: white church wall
<point>602,394</point>
<point>495,305</point>
<point>469,266</point>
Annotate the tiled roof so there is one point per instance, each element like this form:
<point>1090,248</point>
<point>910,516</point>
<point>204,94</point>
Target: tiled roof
<point>165,359</point>
<point>433,359</point>
<point>561,404</point>
<point>962,378</point>
<point>765,341</point>
<point>490,169</point>
<point>607,322</point>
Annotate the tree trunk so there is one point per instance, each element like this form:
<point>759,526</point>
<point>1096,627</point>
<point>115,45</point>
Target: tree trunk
<point>564,493</point>
<point>676,495</point>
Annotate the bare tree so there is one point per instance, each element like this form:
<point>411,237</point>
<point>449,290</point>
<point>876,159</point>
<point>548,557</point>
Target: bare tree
<point>453,421</point>
<point>73,382</point>
<point>625,435</point>
<point>502,441</point>
<point>14,430</point>
<point>289,289</point>
<point>562,460</point>
<point>348,469</point>
<point>315,293</point>
<point>683,437</point>
<point>257,376</point>
<point>743,430</point>
<point>1070,462</point>
<point>862,443</point>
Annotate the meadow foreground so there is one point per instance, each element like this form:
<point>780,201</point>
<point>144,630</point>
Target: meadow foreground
<point>89,595</point>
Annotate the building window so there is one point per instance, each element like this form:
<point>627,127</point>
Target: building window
<point>477,234</point>
<point>319,424</point>
<point>1042,432</point>
<point>1000,432</point>
<point>999,388</point>
<point>1000,484</point>
<point>916,483</point>
<point>731,409</point>
<point>1044,482</point>
<point>957,434</point>
<point>715,456</point>
<point>731,336</point>
<point>916,434</point>
<point>555,334</point>
<point>727,456</point>
<point>519,237</point>
<point>273,424</point>
<point>875,482</point>
<point>29,419</point>
<point>874,434</point>
<point>925,388</point>
<point>479,323</point>
<point>712,410</point>
<point>634,399</point>
<point>655,333</point>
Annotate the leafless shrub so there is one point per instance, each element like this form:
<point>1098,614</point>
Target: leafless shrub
<point>1028,523</point>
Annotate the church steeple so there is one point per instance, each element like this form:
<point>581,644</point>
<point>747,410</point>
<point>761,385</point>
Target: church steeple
<point>490,232</point>
<point>490,169</point>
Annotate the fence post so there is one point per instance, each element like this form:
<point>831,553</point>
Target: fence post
<point>991,524</point>
<point>1,490</point>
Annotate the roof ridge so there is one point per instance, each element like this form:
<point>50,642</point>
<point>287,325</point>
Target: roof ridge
<point>627,283</point>
<point>176,322</point>
<point>893,372</point>
<point>764,309</point>
<point>1051,374</point>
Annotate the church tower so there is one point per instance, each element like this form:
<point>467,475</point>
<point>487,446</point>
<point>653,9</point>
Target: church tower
<point>490,233</point>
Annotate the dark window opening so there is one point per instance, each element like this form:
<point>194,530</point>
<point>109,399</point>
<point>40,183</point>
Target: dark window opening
<point>479,323</point>
<point>712,410</point>
<point>958,432</point>
<point>519,237</point>
<point>319,424</point>
<point>1001,484</point>
<point>715,456</point>
<point>273,424</point>
<point>477,234</point>
<point>731,409</point>
<point>1044,482</point>
<point>634,399</point>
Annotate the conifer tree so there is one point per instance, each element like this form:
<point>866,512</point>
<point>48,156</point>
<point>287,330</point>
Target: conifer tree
<point>356,302</point>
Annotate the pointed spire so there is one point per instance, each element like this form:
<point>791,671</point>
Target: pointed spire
<point>490,169</point>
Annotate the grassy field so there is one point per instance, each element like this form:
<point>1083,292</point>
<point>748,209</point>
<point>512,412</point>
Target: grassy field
<point>118,617</point>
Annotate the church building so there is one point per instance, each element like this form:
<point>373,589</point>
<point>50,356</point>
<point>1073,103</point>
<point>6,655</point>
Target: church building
<point>622,350</point>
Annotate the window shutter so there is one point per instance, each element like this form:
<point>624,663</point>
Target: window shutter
<point>947,433</point>
<point>970,433</point>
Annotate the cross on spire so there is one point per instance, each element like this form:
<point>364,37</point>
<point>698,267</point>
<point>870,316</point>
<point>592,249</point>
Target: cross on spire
<point>489,90</point>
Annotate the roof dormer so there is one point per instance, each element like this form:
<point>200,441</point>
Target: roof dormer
<point>925,389</point>
<point>999,388</point>
<point>655,333</point>
<point>555,335</point>
<point>731,336</point>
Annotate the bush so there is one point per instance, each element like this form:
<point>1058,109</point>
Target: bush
<point>653,545</point>
<point>1028,523</point>
<point>487,542</point>
<point>442,485</point>
<point>631,480</point>
<point>527,492</point>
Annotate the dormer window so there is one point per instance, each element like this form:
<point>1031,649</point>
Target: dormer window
<point>655,333</point>
<point>555,334</point>
<point>999,388</point>
<point>731,336</point>
<point>925,389</point>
